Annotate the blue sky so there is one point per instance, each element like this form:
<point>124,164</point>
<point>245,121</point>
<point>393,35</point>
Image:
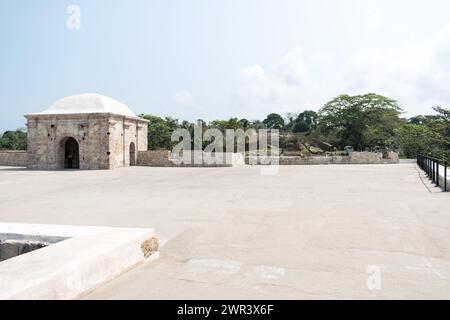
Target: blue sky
<point>210,59</point>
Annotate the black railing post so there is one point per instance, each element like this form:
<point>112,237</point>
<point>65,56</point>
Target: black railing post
<point>437,173</point>
<point>431,167</point>
<point>445,176</point>
<point>434,170</point>
<point>425,164</point>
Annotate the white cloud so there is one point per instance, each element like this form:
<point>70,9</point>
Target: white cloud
<point>287,85</point>
<point>415,73</point>
<point>292,67</point>
<point>374,18</point>
<point>184,98</point>
<point>256,86</point>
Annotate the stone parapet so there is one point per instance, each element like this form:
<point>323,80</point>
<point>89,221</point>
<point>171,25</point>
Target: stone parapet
<point>13,158</point>
<point>354,158</point>
<point>164,158</point>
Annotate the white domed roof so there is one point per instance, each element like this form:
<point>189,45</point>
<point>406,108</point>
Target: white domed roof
<point>89,103</point>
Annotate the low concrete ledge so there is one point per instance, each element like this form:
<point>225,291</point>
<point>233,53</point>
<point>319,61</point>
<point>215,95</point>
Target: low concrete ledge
<point>408,161</point>
<point>72,267</point>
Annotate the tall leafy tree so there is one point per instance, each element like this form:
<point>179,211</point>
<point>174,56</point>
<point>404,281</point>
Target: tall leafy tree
<point>274,121</point>
<point>13,140</point>
<point>414,139</point>
<point>305,122</point>
<point>244,124</point>
<point>356,120</point>
<point>443,125</point>
<point>160,131</point>
<point>290,120</point>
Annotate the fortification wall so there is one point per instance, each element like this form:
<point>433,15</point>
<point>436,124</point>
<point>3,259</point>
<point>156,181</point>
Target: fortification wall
<point>164,158</point>
<point>13,158</point>
<point>354,158</point>
<point>154,158</point>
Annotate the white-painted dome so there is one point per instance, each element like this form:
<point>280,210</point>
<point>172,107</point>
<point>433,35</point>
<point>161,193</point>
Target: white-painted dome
<point>89,103</point>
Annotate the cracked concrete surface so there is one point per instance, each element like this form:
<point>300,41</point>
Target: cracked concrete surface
<point>310,232</point>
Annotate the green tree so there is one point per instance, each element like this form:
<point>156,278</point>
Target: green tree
<point>414,139</point>
<point>443,113</point>
<point>274,121</point>
<point>244,124</point>
<point>428,134</point>
<point>305,122</point>
<point>290,120</point>
<point>356,120</point>
<point>222,125</point>
<point>441,126</point>
<point>160,132</point>
<point>13,140</point>
<point>257,124</point>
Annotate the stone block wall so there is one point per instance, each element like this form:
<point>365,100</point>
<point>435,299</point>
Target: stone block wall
<point>47,135</point>
<point>13,158</point>
<point>142,136</point>
<point>354,158</point>
<point>154,158</point>
<point>164,158</point>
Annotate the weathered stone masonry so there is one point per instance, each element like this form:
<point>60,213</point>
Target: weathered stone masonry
<point>13,158</point>
<point>104,140</point>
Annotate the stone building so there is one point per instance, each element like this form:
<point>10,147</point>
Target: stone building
<point>87,131</point>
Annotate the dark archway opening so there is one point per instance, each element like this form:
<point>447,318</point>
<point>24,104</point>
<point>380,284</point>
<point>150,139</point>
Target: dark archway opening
<point>132,154</point>
<point>71,154</point>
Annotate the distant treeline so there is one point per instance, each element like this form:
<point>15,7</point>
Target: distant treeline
<point>365,122</point>
<point>13,140</point>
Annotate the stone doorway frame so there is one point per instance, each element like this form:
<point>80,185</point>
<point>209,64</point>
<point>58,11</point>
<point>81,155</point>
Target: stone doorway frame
<point>132,154</point>
<point>62,153</point>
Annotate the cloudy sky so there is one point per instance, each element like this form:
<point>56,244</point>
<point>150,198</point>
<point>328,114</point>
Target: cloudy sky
<point>209,59</point>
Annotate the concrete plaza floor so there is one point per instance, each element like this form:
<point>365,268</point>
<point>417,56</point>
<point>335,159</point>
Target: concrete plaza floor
<point>309,232</point>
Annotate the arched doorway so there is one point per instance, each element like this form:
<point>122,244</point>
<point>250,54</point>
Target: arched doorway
<point>132,154</point>
<point>71,154</point>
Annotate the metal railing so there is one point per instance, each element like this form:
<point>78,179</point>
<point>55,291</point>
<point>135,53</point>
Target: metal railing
<point>432,166</point>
